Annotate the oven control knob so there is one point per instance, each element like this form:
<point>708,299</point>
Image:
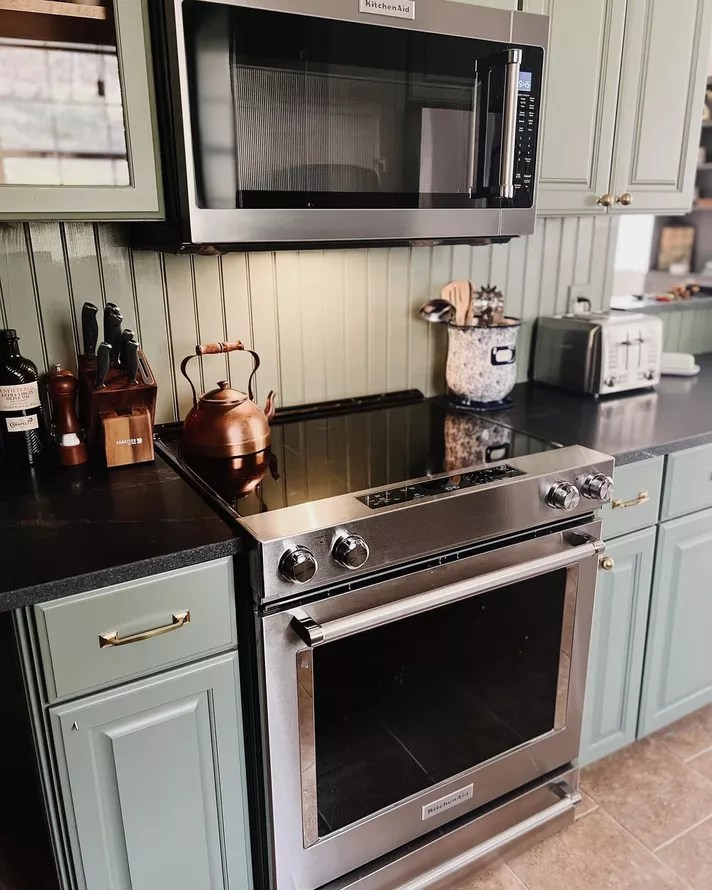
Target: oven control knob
<point>598,487</point>
<point>563,496</point>
<point>298,565</point>
<point>351,551</point>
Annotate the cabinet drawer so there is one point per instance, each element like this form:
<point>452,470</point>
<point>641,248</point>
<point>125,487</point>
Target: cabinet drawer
<point>636,498</point>
<point>118,633</point>
<point>688,482</point>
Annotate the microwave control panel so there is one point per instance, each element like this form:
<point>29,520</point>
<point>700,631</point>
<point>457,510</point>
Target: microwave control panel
<point>527,118</point>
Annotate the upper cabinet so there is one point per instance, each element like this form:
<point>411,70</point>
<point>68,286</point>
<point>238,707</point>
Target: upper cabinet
<point>625,92</point>
<point>660,103</point>
<point>77,120</point>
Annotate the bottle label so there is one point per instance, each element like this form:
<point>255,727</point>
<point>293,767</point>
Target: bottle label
<point>22,424</point>
<point>19,397</point>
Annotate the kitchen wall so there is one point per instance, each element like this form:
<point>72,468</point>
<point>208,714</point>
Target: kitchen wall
<point>326,324</point>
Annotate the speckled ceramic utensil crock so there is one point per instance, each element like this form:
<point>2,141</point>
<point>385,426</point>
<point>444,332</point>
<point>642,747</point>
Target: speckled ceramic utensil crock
<point>481,363</point>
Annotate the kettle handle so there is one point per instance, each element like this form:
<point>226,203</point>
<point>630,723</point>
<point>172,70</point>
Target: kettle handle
<point>218,349</point>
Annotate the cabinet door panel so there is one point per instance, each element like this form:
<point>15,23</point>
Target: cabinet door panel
<point>678,661</point>
<point>617,647</point>
<point>585,46</point>
<point>77,123</point>
<point>153,782</point>
<point>662,93</point>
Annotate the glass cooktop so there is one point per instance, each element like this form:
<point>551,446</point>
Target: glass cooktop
<point>325,451</point>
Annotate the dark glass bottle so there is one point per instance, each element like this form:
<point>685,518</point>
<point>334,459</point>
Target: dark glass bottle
<point>22,428</point>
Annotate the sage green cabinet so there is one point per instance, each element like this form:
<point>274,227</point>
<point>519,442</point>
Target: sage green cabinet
<point>77,119</point>
<point>617,647</point>
<point>663,76</point>
<point>152,778</point>
<point>578,127</point>
<point>623,110</point>
<point>678,661</point>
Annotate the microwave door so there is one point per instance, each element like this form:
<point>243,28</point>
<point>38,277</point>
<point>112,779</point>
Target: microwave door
<point>497,121</point>
<point>447,148</point>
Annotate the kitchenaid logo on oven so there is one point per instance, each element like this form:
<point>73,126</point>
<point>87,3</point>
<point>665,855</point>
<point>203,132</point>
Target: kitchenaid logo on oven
<point>444,803</point>
<point>403,9</point>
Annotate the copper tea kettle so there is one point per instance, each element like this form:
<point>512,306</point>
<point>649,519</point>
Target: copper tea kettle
<point>226,422</point>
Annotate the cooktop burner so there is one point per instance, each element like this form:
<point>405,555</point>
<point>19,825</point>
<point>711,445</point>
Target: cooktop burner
<point>334,449</point>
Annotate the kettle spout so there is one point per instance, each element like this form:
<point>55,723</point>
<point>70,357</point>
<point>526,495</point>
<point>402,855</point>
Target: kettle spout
<point>270,407</point>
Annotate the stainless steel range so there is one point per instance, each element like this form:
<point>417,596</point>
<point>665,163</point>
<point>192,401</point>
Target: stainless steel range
<point>422,638</point>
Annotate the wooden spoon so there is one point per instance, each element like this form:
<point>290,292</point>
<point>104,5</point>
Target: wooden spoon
<point>459,293</point>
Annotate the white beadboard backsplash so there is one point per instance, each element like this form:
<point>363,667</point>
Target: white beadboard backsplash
<point>326,324</point>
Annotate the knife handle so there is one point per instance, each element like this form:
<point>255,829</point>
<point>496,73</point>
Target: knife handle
<point>103,360</point>
<point>90,328</point>
<point>131,360</point>
<point>126,337</point>
<point>112,330</point>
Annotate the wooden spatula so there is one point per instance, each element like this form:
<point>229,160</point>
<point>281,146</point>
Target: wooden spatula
<point>459,294</point>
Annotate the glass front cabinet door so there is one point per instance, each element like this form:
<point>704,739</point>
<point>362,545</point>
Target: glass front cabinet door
<point>77,118</point>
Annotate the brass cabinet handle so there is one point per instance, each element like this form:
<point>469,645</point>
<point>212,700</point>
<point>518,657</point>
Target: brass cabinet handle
<point>606,200</point>
<point>625,199</point>
<point>607,564</point>
<point>178,620</point>
<point>642,498</point>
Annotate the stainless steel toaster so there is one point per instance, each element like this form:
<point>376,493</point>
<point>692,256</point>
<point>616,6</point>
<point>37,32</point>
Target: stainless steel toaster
<point>599,352</point>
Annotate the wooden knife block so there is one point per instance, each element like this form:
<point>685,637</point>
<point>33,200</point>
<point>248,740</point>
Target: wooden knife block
<point>118,398</point>
<point>128,437</point>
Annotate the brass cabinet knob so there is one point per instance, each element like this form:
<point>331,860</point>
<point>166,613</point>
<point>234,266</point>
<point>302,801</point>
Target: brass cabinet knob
<point>606,200</point>
<point>607,564</point>
<point>625,199</point>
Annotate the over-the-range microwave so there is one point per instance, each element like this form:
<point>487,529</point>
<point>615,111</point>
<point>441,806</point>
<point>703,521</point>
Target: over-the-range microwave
<point>339,122</point>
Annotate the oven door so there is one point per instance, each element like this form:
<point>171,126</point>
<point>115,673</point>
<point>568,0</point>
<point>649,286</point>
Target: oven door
<point>397,707</point>
<point>350,121</point>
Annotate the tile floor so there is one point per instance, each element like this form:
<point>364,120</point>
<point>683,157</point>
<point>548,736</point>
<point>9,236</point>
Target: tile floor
<point>645,822</point>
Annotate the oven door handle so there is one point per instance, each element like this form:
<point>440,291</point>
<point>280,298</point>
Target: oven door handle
<point>313,633</point>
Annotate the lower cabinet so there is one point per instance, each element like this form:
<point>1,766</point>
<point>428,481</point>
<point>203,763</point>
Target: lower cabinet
<point>678,660</point>
<point>618,647</point>
<point>152,778</point>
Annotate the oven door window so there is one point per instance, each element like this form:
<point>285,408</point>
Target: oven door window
<point>291,111</point>
<point>402,707</point>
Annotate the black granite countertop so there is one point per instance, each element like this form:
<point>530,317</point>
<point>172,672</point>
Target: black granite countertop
<point>66,531</point>
<point>675,415</point>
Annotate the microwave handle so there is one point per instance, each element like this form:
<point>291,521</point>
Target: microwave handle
<point>313,633</point>
<point>509,123</point>
<point>472,148</point>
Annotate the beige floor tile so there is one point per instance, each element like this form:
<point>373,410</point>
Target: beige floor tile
<point>501,877</point>
<point>690,736</point>
<point>703,764</point>
<point>586,806</point>
<point>595,853</point>
<point>690,856</point>
<point>651,793</point>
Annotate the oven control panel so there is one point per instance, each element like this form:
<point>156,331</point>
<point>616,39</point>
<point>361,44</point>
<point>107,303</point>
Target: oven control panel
<point>432,487</point>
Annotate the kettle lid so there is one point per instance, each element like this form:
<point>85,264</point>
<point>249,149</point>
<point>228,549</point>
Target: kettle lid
<point>224,396</point>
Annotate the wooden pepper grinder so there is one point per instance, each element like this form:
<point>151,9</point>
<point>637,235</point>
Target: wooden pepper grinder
<point>62,388</point>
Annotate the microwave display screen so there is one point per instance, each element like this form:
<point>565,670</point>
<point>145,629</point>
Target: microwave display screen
<point>294,112</point>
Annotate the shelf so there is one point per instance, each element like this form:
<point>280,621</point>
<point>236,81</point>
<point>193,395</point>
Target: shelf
<point>56,7</point>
